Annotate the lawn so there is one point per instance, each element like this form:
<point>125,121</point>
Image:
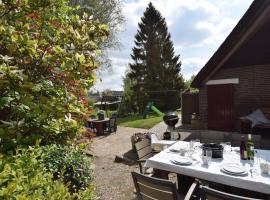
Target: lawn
<point>137,121</point>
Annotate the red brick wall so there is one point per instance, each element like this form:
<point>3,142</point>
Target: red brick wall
<point>203,105</point>
<point>253,90</point>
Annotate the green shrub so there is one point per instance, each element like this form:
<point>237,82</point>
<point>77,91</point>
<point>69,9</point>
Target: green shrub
<point>25,176</point>
<point>91,102</point>
<point>68,164</point>
<point>48,55</point>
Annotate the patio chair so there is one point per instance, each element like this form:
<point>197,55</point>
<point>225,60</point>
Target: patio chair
<point>207,193</point>
<point>111,125</point>
<point>92,126</point>
<point>143,151</point>
<point>159,189</point>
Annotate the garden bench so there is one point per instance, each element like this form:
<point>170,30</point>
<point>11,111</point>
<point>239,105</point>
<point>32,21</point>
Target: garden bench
<point>246,124</point>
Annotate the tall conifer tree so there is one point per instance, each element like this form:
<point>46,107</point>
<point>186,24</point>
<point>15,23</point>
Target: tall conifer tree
<point>155,68</point>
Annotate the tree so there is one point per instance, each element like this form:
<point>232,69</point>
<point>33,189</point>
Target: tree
<point>155,69</point>
<point>107,12</point>
<point>128,98</point>
<point>47,62</point>
<point>188,84</point>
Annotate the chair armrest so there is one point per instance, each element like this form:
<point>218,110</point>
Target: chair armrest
<point>141,160</point>
<point>191,190</point>
<point>155,151</point>
<point>245,120</point>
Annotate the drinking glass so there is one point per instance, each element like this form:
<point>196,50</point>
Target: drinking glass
<point>255,164</point>
<point>191,145</point>
<point>229,146</point>
<point>264,165</point>
<point>196,145</point>
<point>208,154</point>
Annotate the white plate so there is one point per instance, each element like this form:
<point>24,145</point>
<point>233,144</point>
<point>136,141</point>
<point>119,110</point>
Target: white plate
<point>234,168</point>
<point>234,174</point>
<point>182,161</point>
<point>174,150</point>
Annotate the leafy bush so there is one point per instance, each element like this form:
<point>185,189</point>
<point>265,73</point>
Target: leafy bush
<point>68,164</point>
<point>25,176</point>
<point>48,55</point>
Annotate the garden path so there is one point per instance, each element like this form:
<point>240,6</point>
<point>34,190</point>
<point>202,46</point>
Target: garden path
<point>113,180</point>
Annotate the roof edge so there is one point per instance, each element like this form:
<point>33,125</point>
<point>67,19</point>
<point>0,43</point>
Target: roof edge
<point>248,19</point>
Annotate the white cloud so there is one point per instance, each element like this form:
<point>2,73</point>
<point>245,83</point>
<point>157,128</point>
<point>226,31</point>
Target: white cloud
<point>112,78</point>
<point>197,28</point>
<point>191,66</point>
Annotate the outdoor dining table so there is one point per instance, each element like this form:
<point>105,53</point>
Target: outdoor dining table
<point>99,124</point>
<point>259,182</point>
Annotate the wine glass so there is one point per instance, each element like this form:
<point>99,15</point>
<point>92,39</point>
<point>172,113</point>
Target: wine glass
<point>264,165</point>
<point>208,154</point>
<point>191,145</point>
<point>254,164</point>
<point>196,144</point>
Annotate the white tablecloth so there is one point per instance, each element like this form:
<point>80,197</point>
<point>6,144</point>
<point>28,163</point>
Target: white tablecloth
<point>158,145</point>
<point>259,182</point>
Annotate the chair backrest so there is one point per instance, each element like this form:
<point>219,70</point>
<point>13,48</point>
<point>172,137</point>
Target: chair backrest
<point>212,137</point>
<point>212,194</point>
<point>149,188</point>
<point>143,149</point>
<point>266,112</point>
<point>236,140</point>
<point>91,125</point>
<point>112,121</point>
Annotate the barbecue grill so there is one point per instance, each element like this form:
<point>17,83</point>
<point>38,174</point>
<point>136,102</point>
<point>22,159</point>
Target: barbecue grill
<point>171,119</point>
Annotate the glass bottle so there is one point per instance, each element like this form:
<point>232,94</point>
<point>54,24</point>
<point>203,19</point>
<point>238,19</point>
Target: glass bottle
<point>250,148</point>
<point>243,149</point>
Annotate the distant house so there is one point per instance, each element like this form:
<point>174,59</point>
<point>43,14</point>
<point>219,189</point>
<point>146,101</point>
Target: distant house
<point>236,79</point>
<point>110,100</point>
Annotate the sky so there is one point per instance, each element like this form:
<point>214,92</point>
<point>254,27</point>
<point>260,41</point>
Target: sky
<point>197,28</point>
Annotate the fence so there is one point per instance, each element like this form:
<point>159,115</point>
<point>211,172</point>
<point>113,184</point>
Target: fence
<point>190,105</point>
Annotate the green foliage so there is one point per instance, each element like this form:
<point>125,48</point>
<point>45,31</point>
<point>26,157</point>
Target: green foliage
<point>188,85</point>
<point>108,12</point>
<point>129,97</point>
<point>68,164</point>
<point>23,177</point>
<point>137,121</point>
<point>155,70</point>
<point>91,102</point>
<point>47,62</point>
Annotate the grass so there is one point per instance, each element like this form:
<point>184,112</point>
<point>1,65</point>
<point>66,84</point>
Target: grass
<point>137,121</point>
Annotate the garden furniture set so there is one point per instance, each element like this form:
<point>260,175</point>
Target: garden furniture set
<point>102,126</point>
<point>245,175</point>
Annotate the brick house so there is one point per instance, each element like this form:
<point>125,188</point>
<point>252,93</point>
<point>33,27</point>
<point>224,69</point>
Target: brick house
<point>236,79</point>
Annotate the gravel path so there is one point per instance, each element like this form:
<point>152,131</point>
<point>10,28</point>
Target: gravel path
<point>113,180</point>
